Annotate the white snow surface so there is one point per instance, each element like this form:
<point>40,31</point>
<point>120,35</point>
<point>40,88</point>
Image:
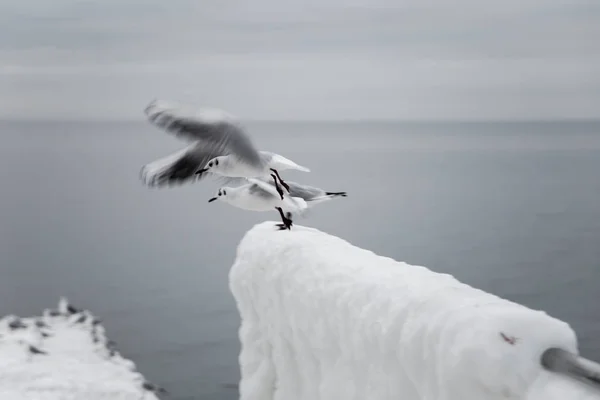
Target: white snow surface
<point>323,319</point>
<point>78,363</point>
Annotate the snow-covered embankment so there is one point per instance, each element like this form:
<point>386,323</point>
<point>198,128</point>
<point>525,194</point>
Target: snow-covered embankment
<point>323,319</point>
<point>63,355</point>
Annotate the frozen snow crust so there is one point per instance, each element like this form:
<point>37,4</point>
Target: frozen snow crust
<point>65,355</point>
<point>323,319</point>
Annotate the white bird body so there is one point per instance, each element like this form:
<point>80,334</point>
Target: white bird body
<point>243,198</point>
<point>231,167</point>
<point>257,195</point>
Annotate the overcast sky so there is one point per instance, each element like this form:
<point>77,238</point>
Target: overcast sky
<point>322,59</point>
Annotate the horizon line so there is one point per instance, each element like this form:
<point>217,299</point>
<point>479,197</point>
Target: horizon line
<point>340,120</point>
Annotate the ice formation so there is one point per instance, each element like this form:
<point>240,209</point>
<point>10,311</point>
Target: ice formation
<point>323,319</point>
<point>65,355</point>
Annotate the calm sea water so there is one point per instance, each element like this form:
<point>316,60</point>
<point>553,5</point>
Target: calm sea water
<point>510,208</point>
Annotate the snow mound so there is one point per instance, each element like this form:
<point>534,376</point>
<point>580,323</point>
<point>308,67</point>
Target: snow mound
<point>64,354</point>
<point>323,319</point>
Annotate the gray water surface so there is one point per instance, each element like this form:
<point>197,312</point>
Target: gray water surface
<point>509,208</point>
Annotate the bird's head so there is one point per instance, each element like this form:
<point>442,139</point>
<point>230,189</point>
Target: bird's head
<point>221,194</point>
<point>214,165</point>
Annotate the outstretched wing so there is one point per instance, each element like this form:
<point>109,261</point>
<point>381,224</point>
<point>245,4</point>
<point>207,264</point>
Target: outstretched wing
<point>215,129</point>
<point>177,168</point>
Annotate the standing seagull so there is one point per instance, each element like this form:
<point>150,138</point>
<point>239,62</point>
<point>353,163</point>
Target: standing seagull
<point>257,195</point>
<point>220,146</point>
<point>312,195</point>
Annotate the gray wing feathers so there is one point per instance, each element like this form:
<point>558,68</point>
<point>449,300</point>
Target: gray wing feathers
<point>176,169</point>
<point>266,156</point>
<point>307,193</point>
<point>233,181</point>
<point>214,128</point>
<point>259,191</point>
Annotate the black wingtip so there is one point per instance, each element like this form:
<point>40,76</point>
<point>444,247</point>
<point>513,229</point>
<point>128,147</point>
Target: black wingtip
<point>335,194</point>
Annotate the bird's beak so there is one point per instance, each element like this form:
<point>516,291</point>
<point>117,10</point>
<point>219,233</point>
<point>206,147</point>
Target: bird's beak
<point>201,171</point>
<point>211,200</point>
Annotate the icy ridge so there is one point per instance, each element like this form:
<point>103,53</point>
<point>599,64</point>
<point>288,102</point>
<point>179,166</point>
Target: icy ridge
<point>323,319</point>
<point>64,354</point>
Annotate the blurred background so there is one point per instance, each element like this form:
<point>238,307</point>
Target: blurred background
<point>467,135</point>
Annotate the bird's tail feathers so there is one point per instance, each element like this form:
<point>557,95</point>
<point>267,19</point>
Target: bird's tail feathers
<point>302,168</point>
<point>285,163</point>
<point>328,196</point>
<point>336,194</point>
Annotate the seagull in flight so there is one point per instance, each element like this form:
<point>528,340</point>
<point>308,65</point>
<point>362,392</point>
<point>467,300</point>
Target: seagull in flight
<point>220,146</point>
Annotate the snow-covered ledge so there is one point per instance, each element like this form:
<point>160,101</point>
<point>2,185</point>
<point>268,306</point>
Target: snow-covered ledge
<point>323,319</point>
<point>65,355</point>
